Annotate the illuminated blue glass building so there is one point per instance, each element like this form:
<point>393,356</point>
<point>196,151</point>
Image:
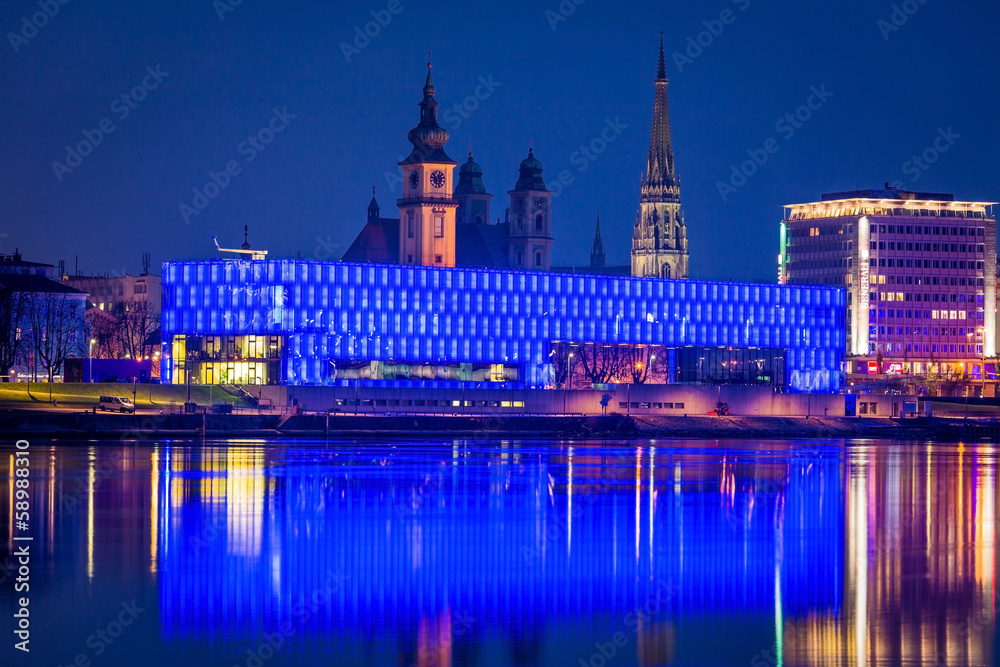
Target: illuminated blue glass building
<point>316,323</point>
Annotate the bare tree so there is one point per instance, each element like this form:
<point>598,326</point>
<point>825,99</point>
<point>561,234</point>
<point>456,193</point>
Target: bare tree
<point>560,363</point>
<point>104,330</point>
<point>13,305</point>
<point>600,362</point>
<point>56,325</point>
<point>137,321</point>
<point>637,363</point>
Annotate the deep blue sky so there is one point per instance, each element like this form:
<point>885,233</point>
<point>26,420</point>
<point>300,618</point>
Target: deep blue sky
<point>309,188</point>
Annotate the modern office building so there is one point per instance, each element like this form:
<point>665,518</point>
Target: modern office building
<point>329,323</point>
<point>919,272</point>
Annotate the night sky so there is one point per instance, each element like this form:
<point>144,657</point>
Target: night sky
<point>894,93</point>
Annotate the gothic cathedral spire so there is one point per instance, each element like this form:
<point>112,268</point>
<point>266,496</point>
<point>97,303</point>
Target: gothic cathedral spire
<point>659,240</point>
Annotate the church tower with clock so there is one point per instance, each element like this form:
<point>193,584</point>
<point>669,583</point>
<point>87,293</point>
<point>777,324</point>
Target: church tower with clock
<point>530,244</point>
<point>659,239</point>
<point>427,207</point>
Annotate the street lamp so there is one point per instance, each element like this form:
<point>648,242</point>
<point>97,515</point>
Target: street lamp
<point>92,341</point>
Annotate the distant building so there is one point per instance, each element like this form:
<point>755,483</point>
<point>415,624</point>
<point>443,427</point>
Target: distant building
<point>123,313</point>
<point>45,322</point>
<point>14,263</point>
<point>919,270</point>
<point>108,292</point>
<point>659,240</point>
<point>597,266</point>
<point>442,226</point>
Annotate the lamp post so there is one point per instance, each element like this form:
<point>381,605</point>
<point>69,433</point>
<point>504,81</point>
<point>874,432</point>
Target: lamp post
<point>92,341</point>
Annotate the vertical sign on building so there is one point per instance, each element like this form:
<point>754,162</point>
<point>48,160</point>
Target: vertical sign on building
<point>783,257</point>
<point>859,331</point>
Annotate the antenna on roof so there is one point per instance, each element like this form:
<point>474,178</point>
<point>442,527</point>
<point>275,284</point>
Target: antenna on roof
<point>246,250</point>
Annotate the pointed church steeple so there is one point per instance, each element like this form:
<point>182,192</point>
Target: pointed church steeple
<point>661,180</point>
<point>373,209</point>
<point>428,137</point>
<point>597,251</point>
<point>659,239</point>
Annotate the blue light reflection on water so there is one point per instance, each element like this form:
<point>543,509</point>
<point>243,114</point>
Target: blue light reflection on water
<point>485,553</point>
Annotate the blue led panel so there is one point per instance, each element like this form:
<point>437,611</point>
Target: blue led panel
<point>413,314</point>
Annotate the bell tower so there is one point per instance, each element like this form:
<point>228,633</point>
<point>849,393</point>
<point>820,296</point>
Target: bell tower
<point>427,207</point>
<point>530,218</point>
<point>659,239</point>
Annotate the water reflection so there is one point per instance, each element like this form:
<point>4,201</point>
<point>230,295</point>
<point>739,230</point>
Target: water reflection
<point>519,554</point>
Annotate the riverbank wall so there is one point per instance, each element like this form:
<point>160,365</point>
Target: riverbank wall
<point>29,423</point>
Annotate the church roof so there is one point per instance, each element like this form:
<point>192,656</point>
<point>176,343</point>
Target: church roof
<point>378,243</point>
<point>475,245</point>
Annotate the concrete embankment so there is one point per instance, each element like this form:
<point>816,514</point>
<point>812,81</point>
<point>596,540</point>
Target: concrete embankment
<point>16,424</point>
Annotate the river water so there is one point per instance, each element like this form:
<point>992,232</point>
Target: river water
<point>482,552</point>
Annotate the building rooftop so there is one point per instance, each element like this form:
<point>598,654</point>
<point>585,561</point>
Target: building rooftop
<point>887,202</point>
<point>888,193</point>
<point>36,284</point>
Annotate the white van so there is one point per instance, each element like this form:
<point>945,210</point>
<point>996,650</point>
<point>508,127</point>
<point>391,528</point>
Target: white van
<point>116,404</point>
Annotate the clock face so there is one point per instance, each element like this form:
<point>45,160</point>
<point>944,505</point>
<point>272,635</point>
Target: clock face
<point>539,202</point>
<point>519,204</point>
<point>414,180</point>
<point>437,179</point>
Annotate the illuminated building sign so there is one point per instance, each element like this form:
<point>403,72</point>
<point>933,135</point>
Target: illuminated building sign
<point>860,320</point>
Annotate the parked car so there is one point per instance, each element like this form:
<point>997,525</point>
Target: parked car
<point>116,404</point>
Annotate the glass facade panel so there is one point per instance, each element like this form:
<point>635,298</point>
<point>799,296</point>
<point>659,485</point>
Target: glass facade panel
<point>322,314</point>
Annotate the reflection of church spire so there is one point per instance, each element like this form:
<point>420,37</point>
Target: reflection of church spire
<point>660,183</point>
<point>597,251</point>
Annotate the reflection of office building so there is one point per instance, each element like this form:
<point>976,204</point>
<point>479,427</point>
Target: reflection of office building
<point>920,566</point>
<point>919,273</point>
